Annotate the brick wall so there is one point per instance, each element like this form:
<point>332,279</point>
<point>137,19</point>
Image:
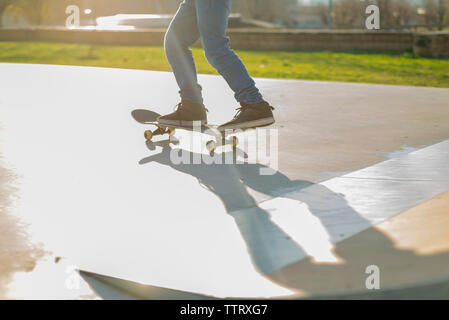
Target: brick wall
<point>321,40</point>
<point>435,44</point>
<point>135,38</point>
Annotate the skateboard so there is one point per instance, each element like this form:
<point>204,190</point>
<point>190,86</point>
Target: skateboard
<point>220,137</point>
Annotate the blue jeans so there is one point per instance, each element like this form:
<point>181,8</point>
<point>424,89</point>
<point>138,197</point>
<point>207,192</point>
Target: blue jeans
<point>208,20</point>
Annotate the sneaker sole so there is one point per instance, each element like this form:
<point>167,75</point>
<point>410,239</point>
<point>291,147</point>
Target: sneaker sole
<point>248,124</point>
<point>182,123</point>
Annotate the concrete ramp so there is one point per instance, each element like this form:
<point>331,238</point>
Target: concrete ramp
<point>360,179</point>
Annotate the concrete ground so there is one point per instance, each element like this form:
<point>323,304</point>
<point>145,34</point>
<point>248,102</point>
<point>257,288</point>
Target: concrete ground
<point>361,178</point>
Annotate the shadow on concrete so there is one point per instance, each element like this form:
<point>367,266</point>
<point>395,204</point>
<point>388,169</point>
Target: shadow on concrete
<point>269,246</point>
<point>282,260</point>
<point>111,288</point>
<point>17,252</point>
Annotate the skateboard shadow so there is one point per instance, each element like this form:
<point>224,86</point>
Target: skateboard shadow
<point>288,261</point>
<point>270,247</point>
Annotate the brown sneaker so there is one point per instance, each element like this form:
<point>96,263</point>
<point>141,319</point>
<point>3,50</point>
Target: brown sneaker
<point>250,116</point>
<point>184,116</point>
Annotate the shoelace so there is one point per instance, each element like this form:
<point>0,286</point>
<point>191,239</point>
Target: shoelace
<point>243,108</point>
<point>239,111</point>
<point>180,106</point>
<point>177,107</point>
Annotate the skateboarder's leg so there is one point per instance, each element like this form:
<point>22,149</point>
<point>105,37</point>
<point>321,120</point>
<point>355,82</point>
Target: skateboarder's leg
<point>181,34</point>
<point>212,24</point>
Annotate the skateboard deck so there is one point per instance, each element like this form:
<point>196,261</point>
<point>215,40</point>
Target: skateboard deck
<point>221,137</point>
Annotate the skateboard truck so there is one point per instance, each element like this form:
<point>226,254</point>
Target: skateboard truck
<point>211,145</point>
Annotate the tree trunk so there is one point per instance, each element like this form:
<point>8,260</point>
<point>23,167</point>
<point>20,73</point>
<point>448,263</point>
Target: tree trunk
<point>442,7</point>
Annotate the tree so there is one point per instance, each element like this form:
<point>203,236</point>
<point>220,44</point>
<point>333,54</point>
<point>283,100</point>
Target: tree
<point>443,13</point>
<point>348,14</point>
<point>323,12</point>
<point>268,10</point>
<point>401,13</point>
<point>32,11</point>
<point>4,4</point>
<point>436,13</point>
<point>385,13</point>
<point>163,6</point>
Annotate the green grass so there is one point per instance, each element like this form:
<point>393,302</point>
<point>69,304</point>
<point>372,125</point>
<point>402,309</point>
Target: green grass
<point>399,69</point>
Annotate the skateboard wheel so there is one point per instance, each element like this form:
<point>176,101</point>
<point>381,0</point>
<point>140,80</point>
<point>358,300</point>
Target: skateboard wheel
<point>211,145</point>
<point>174,140</point>
<point>235,141</point>
<point>148,135</point>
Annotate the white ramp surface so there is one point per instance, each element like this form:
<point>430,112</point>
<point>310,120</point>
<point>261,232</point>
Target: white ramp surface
<point>320,215</point>
<point>93,192</point>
